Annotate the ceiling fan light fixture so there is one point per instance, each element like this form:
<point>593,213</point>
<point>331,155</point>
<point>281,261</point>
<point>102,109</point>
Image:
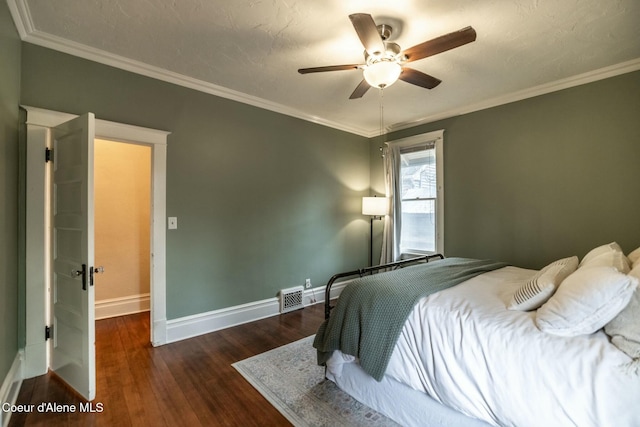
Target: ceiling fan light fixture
<point>382,74</point>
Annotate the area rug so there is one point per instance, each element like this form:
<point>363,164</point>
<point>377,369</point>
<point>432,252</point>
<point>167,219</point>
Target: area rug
<point>289,378</point>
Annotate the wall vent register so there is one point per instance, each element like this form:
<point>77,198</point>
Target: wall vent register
<point>291,299</point>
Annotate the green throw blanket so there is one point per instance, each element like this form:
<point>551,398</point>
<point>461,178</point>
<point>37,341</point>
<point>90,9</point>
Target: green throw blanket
<point>371,311</point>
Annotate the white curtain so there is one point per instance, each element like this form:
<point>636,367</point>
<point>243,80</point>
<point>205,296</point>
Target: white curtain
<point>390,237</point>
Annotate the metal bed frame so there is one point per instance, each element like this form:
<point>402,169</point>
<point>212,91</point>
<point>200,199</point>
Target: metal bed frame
<point>369,271</point>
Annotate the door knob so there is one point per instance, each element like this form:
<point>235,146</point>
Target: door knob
<point>94,270</point>
<point>83,273</point>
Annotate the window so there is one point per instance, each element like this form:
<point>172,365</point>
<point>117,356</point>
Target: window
<point>420,202</point>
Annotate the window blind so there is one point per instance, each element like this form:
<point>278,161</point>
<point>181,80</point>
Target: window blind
<point>420,147</point>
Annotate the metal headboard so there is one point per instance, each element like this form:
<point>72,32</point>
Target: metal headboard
<point>368,271</point>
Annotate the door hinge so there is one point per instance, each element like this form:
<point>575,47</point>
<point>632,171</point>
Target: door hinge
<point>48,332</point>
<point>48,155</point>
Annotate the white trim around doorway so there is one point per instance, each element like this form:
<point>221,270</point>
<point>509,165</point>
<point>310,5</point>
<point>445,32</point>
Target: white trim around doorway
<point>38,135</point>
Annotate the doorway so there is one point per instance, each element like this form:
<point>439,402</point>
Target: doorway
<point>39,123</point>
<point>122,202</point>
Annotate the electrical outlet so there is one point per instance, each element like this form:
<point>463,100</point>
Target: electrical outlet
<point>307,283</point>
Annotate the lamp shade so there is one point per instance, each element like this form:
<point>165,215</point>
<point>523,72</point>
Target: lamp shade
<point>375,206</point>
<point>382,74</point>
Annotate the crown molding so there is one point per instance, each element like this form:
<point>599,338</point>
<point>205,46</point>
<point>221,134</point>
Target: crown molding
<point>116,61</point>
<point>580,79</point>
<point>28,33</point>
<point>21,17</point>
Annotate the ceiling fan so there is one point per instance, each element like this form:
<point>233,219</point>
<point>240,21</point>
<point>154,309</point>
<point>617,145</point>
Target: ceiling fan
<point>384,61</point>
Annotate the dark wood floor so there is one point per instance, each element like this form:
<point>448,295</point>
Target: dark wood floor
<point>188,383</point>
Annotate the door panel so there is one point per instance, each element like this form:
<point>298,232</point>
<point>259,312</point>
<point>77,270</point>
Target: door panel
<point>73,344</point>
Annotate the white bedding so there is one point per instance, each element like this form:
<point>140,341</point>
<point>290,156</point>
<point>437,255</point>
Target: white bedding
<point>467,351</point>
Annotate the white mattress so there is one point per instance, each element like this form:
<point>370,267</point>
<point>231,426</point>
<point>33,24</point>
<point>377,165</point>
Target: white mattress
<point>463,348</point>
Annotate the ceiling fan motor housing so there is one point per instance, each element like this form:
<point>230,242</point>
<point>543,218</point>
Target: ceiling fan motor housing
<point>391,52</point>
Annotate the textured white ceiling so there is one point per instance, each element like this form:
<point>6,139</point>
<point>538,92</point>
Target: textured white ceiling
<point>250,50</point>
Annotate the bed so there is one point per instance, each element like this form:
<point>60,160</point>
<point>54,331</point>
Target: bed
<point>506,347</point>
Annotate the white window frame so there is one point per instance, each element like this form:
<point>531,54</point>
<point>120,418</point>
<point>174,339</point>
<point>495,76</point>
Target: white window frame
<point>436,137</point>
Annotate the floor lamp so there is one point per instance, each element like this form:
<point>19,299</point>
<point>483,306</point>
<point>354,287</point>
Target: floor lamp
<point>376,207</point>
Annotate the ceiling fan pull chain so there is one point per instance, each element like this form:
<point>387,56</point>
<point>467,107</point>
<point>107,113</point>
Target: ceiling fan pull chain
<point>381,98</point>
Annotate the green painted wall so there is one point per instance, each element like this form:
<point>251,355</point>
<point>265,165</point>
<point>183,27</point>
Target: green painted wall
<point>9,160</point>
<point>263,200</point>
<point>542,178</point>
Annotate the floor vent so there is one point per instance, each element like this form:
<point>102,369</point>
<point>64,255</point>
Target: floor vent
<point>291,299</point>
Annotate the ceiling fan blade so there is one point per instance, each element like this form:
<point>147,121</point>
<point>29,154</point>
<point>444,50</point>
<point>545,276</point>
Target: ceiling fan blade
<point>329,68</point>
<point>419,78</point>
<point>361,89</point>
<point>367,32</point>
<point>440,44</point>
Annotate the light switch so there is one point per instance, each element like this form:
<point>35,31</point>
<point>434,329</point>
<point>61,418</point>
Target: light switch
<point>173,222</point>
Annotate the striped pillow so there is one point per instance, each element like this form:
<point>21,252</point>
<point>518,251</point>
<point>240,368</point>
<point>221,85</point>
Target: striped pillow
<point>543,284</point>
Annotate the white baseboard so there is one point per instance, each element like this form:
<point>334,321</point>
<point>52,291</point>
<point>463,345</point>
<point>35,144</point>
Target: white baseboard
<point>11,387</point>
<point>204,323</point>
<point>122,306</point>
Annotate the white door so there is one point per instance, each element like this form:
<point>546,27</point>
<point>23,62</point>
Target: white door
<point>73,343</point>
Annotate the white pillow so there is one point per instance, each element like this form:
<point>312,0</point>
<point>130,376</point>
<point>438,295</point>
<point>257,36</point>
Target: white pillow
<point>542,285</point>
<point>624,329</point>
<point>609,247</point>
<point>613,259</point>
<point>586,301</point>
<point>634,258</point>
